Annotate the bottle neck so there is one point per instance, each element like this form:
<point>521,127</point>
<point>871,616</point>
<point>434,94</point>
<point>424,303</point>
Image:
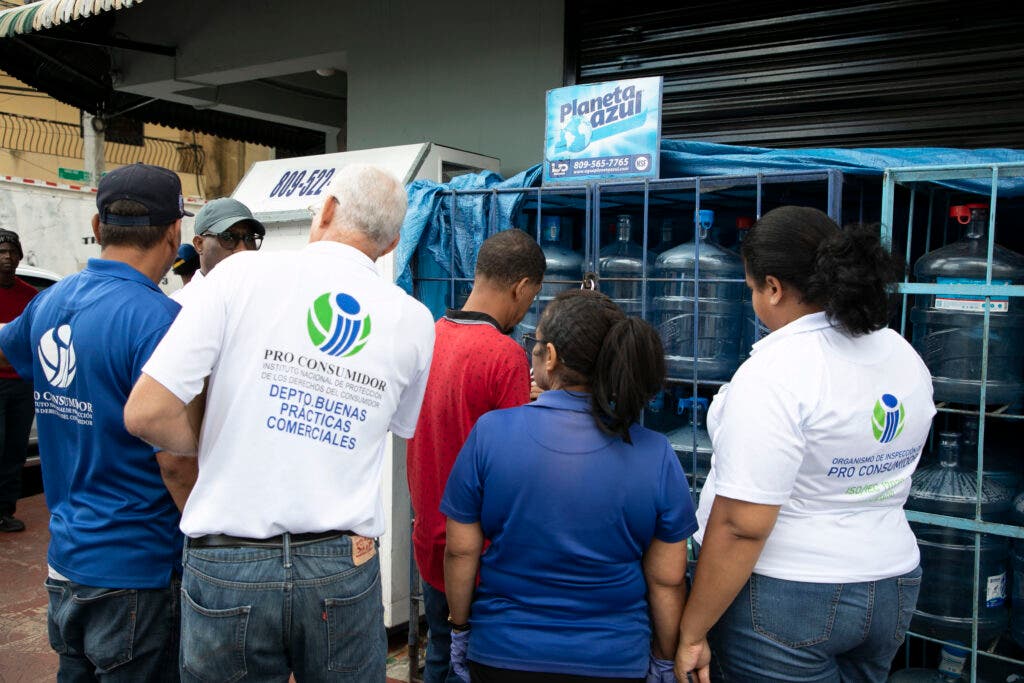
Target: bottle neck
<point>623,232</point>
<point>949,450</point>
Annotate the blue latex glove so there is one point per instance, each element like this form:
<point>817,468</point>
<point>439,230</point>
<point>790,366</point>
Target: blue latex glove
<point>460,646</point>
<point>658,670</point>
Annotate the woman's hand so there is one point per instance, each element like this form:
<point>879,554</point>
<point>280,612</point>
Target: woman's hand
<point>459,648</point>
<point>693,661</point>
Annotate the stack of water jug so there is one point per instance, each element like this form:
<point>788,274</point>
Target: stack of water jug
<point>949,333</point>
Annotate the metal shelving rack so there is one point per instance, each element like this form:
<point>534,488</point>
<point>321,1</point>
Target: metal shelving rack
<point>930,184</point>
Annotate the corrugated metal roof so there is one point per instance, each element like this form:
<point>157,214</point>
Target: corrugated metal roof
<point>45,14</point>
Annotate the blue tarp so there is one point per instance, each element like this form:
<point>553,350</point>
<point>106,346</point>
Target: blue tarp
<point>429,225</point>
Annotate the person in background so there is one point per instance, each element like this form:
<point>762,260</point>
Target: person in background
<point>587,514</point>
<point>186,264</point>
<point>17,407</point>
<point>115,548</point>
<point>310,373</point>
<point>807,567</point>
<point>223,227</point>
<point>476,368</point>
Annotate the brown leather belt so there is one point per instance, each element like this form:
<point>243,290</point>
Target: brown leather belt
<point>225,541</point>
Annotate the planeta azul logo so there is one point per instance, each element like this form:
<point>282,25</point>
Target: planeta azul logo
<point>57,356</point>
<point>334,325</point>
<point>887,419</point>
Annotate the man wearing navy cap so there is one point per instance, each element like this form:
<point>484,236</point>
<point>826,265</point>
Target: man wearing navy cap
<point>186,264</point>
<point>223,227</point>
<point>115,548</point>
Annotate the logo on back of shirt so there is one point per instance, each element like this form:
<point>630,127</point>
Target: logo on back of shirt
<point>887,419</point>
<point>57,356</point>
<point>335,326</point>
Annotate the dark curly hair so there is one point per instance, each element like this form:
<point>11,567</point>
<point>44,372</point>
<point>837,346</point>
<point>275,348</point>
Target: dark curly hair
<point>848,272</point>
<point>620,358</point>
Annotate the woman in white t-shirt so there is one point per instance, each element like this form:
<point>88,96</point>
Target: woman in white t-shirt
<point>807,568</point>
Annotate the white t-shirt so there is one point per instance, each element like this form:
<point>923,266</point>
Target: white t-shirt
<point>185,292</point>
<point>830,427</point>
<point>312,358</point>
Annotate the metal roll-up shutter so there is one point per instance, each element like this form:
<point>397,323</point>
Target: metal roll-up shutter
<point>799,74</point>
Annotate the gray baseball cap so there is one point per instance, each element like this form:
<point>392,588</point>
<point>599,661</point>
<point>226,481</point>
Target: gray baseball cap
<point>218,215</point>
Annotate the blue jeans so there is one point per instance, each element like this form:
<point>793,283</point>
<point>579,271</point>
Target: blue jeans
<point>261,613</point>
<point>113,635</point>
<point>17,408</point>
<point>778,630</point>
<point>437,668</point>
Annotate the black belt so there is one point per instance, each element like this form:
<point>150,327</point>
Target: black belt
<point>225,541</point>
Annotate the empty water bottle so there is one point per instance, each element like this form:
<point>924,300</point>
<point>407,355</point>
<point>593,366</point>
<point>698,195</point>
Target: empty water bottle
<point>948,593</point>
<point>698,306</point>
<point>691,441</point>
<point>1000,464</point>
<point>948,328</point>
<point>564,269</point>
<point>622,268</point>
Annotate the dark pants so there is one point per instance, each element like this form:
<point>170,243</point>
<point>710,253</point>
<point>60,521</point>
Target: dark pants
<point>17,408</point>
<point>114,635</point>
<point>488,674</point>
<point>437,668</point>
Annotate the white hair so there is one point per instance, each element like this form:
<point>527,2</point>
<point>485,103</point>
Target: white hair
<point>370,200</point>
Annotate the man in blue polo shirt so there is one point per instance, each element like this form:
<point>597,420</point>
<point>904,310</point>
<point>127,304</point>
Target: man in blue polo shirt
<point>115,548</point>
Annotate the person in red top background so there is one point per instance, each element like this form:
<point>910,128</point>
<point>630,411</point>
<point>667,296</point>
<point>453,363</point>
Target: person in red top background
<point>17,407</point>
<point>477,367</point>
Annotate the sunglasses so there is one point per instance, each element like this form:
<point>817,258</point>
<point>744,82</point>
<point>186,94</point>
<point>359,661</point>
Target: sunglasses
<point>229,239</point>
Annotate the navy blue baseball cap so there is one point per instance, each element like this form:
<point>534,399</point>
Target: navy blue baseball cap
<point>155,187</point>
<point>187,260</point>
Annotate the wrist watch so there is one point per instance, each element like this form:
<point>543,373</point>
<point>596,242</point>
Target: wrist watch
<point>458,628</point>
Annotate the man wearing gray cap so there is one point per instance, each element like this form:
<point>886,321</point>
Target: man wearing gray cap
<point>223,227</point>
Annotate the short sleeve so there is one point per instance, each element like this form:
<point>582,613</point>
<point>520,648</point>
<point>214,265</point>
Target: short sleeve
<point>756,431</point>
<point>403,422</point>
<point>513,380</point>
<point>676,517</point>
<point>463,495</point>
<point>16,342</point>
<point>186,355</point>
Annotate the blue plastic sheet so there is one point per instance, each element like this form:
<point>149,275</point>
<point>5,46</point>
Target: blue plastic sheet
<point>682,159</point>
<point>433,217</point>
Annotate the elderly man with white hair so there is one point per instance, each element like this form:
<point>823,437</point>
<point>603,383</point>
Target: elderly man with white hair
<point>312,358</point>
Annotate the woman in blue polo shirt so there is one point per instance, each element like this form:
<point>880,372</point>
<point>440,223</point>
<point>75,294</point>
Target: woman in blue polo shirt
<point>587,514</point>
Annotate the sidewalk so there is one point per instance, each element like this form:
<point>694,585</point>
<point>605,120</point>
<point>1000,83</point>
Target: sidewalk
<point>25,654</point>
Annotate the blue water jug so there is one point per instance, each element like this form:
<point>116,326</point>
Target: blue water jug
<point>948,329</point>
<point>947,597</point>
<point>691,441</point>
<point>622,268</point>
<point>564,269</point>
<point>704,338</point>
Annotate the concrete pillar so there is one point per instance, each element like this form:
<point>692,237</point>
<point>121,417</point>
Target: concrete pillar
<point>93,148</point>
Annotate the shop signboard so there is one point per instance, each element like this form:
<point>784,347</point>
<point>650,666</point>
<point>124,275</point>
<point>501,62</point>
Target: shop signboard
<point>603,131</point>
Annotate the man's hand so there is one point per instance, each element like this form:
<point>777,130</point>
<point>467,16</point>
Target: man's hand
<point>693,662</point>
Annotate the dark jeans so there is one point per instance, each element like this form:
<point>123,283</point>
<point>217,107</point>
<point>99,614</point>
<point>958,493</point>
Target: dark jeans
<point>17,408</point>
<point>256,614</point>
<point>489,674</point>
<point>114,635</point>
<point>437,668</point>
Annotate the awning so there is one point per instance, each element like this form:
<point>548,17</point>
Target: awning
<point>49,13</point>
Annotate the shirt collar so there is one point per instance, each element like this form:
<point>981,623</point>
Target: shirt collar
<point>563,400</point>
<point>812,322</point>
<point>344,251</point>
<point>119,269</point>
<point>473,318</point>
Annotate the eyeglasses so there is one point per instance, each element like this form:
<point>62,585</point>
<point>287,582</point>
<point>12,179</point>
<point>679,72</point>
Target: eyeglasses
<point>229,239</point>
<point>315,207</point>
<point>530,343</point>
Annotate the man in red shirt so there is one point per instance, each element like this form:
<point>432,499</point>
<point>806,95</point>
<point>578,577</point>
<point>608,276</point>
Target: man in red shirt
<point>17,406</point>
<point>476,368</point>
